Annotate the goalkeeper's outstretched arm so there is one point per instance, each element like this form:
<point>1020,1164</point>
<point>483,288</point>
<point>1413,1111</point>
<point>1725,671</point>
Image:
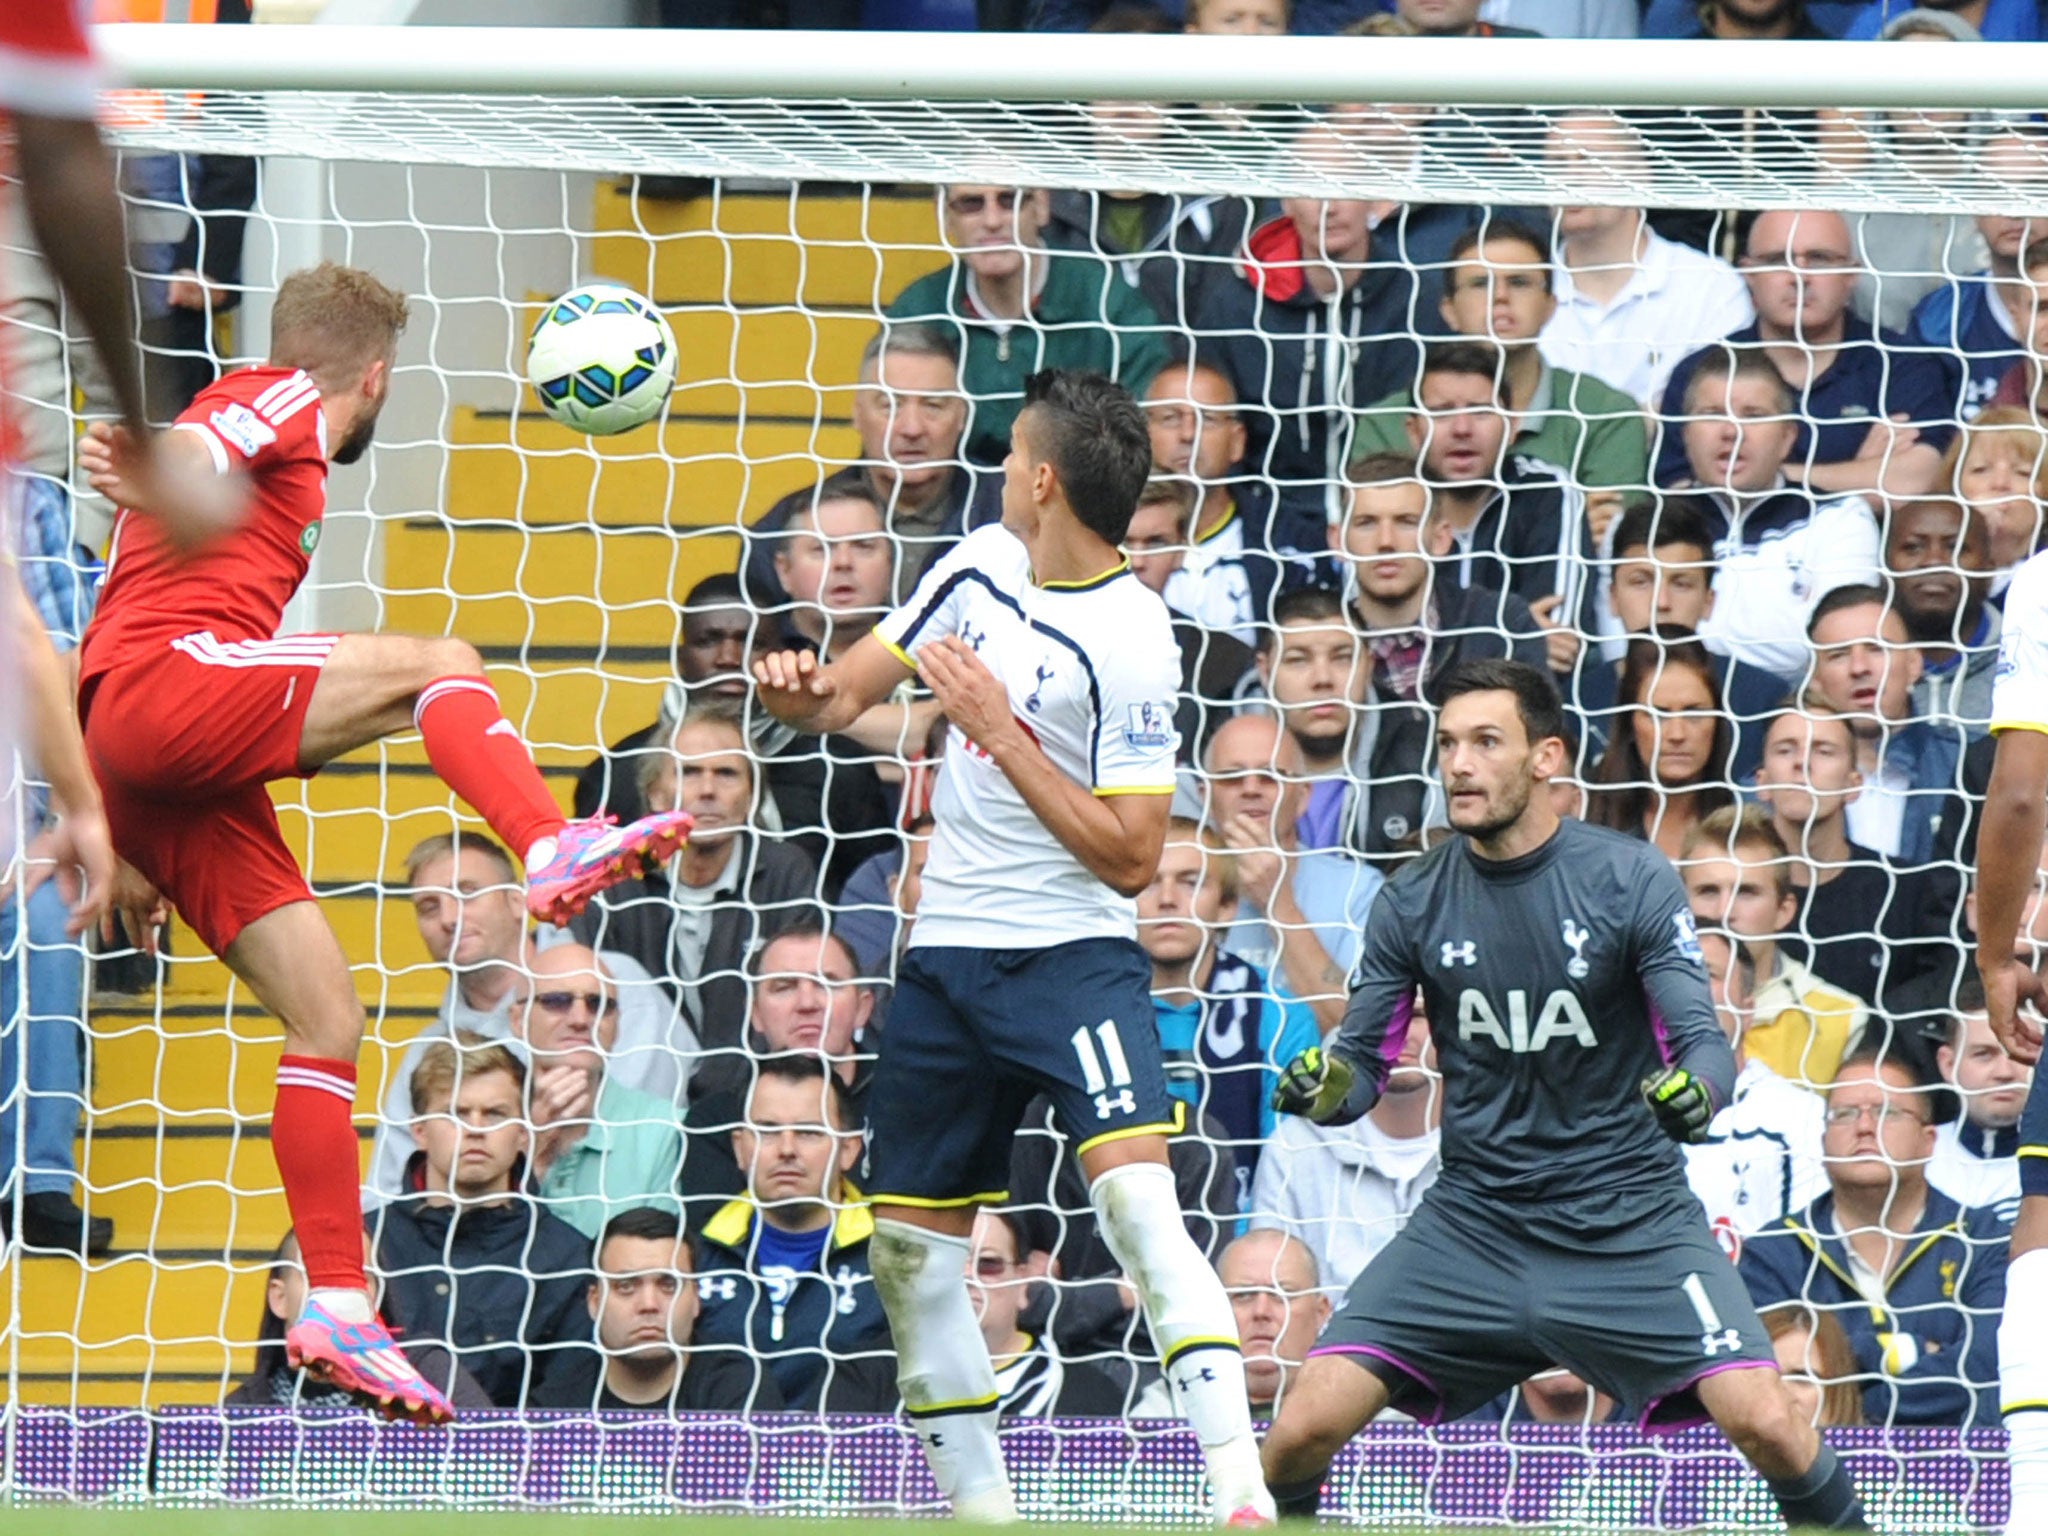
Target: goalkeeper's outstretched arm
<point>1339,1083</point>
<point>825,698</point>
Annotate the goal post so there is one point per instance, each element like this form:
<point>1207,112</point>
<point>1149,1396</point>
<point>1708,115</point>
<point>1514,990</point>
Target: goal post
<point>484,170</point>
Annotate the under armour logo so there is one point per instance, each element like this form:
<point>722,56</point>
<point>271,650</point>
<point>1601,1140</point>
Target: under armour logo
<point>973,636</point>
<point>1466,953</point>
<point>1107,1104</point>
<point>1045,675</point>
<point>1204,1374</point>
<point>1714,1343</point>
<point>1575,938</point>
<point>717,1288</point>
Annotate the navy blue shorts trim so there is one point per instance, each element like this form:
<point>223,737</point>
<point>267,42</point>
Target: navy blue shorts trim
<point>2033,1149</point>
<point>974,1035</point>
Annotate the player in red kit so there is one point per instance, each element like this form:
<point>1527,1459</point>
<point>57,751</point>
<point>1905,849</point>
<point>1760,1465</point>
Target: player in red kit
<point>191,707</point>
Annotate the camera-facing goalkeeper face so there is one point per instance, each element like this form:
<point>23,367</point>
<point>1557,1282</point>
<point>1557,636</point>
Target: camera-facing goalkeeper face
<point>1490,767</point>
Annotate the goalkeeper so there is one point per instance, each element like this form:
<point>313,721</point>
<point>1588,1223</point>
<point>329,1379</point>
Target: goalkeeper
<point>1578,1043</point>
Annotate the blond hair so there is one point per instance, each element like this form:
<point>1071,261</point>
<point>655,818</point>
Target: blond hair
<point>452,845</point>
<point>445,1063</point>
<point>2006,420</point>
<point>1740,829</point>
<point>333,320</point>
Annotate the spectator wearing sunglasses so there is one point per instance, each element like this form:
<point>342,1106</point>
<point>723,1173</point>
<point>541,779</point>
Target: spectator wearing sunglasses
<point>599,1147</point>
<point>470,905</point>
<point>1017,307</point>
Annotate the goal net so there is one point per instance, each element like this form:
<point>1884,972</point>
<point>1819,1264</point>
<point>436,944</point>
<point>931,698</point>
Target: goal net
<point>785,200</point>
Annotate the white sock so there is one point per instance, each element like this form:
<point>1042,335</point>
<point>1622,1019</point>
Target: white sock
<point>349,1305</point>
<point>1191,1322</point>
<point>539,855</point>
<point>2023,1389</point>
<point>942,1366</point>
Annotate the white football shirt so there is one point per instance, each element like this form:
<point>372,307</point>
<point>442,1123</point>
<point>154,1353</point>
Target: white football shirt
<point>2019,688</point>
<point>1092,672</point>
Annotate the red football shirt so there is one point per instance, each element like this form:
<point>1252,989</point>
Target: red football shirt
<point>267,422</point>
<point>46,64</point>
<point>46,67</point>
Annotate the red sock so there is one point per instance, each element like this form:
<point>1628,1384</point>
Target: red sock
<point>313,1135</point>
<point>479,755</point>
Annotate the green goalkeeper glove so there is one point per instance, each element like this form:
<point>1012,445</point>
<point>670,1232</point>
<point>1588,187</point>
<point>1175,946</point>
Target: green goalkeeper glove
<point>1313,1085</point>
<point>1683,1106</point>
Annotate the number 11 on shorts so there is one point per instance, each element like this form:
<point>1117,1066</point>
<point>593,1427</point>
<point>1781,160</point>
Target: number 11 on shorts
<point>1112,1052</point>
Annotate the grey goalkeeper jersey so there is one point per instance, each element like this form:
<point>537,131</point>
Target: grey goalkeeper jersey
<point>1554,983</point>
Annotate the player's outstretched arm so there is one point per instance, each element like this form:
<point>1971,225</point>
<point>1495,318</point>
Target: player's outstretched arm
<point>80,842</point>
<point>2008,853</point>
<point>1118,838</point>
<point>68,191</point>
<point>1339,1082</point>
<point>825,698</point>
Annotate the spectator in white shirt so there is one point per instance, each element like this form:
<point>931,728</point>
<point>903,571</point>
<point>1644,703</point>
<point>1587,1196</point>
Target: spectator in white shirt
<point>1630,303</point>
<point>1761,1160</point>
<point>1976,1157</point>
<point>471,909</point>
<point>1865,667</point>
<point>1345,1190</point>
<point>1780,550</point>
<point>1225,580</point>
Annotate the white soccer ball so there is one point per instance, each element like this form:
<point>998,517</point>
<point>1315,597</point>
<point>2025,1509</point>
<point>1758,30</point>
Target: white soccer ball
<point>602,359</point>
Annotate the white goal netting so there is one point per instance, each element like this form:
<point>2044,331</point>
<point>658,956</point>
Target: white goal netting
<point>1324,304</point>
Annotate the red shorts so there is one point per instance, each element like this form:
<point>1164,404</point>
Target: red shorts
<point>182,744</point>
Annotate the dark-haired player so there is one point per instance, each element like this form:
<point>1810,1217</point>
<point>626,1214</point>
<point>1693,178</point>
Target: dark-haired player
<point>1577,1039</point>
<point>192,703</point>
<point>1057,669</point>
<point>2008,853</point>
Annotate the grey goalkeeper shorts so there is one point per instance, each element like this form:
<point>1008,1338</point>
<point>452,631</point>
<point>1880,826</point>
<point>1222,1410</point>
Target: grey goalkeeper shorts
<point>1476,1295</point>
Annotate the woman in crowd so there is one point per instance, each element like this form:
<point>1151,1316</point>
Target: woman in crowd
<point>1998,467</point>
<point>1666,764</point>
<point>1818,1365</point>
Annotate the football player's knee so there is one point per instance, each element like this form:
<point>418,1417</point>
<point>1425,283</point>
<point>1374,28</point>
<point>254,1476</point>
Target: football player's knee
<point>449,656</point>
<point>1766,1428</point>
<point>1301,1444</point>
<point>331,1027</point>
<point>1139,1209</point>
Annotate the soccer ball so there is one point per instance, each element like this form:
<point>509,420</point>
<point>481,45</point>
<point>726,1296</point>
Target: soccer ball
<point>602,359</point>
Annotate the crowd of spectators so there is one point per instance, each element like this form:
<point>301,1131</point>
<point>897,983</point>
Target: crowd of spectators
<point>1752,504</point>
<point>1758,535</point>
<point>1726,20</point>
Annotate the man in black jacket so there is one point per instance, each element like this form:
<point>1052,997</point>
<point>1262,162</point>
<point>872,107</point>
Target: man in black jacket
<point>910,415</point>
<point>693,924</point>
<point>466,1258</point>
<point>644,1305</point>
<point>1319,320</point>
<point>807,996</point>
<point>1416,622</point>
<point>824,789</point>
<point>1515,524</point>
<point>784,1270</point>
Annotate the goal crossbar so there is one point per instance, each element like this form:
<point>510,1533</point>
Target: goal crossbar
<point>922,108</point>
